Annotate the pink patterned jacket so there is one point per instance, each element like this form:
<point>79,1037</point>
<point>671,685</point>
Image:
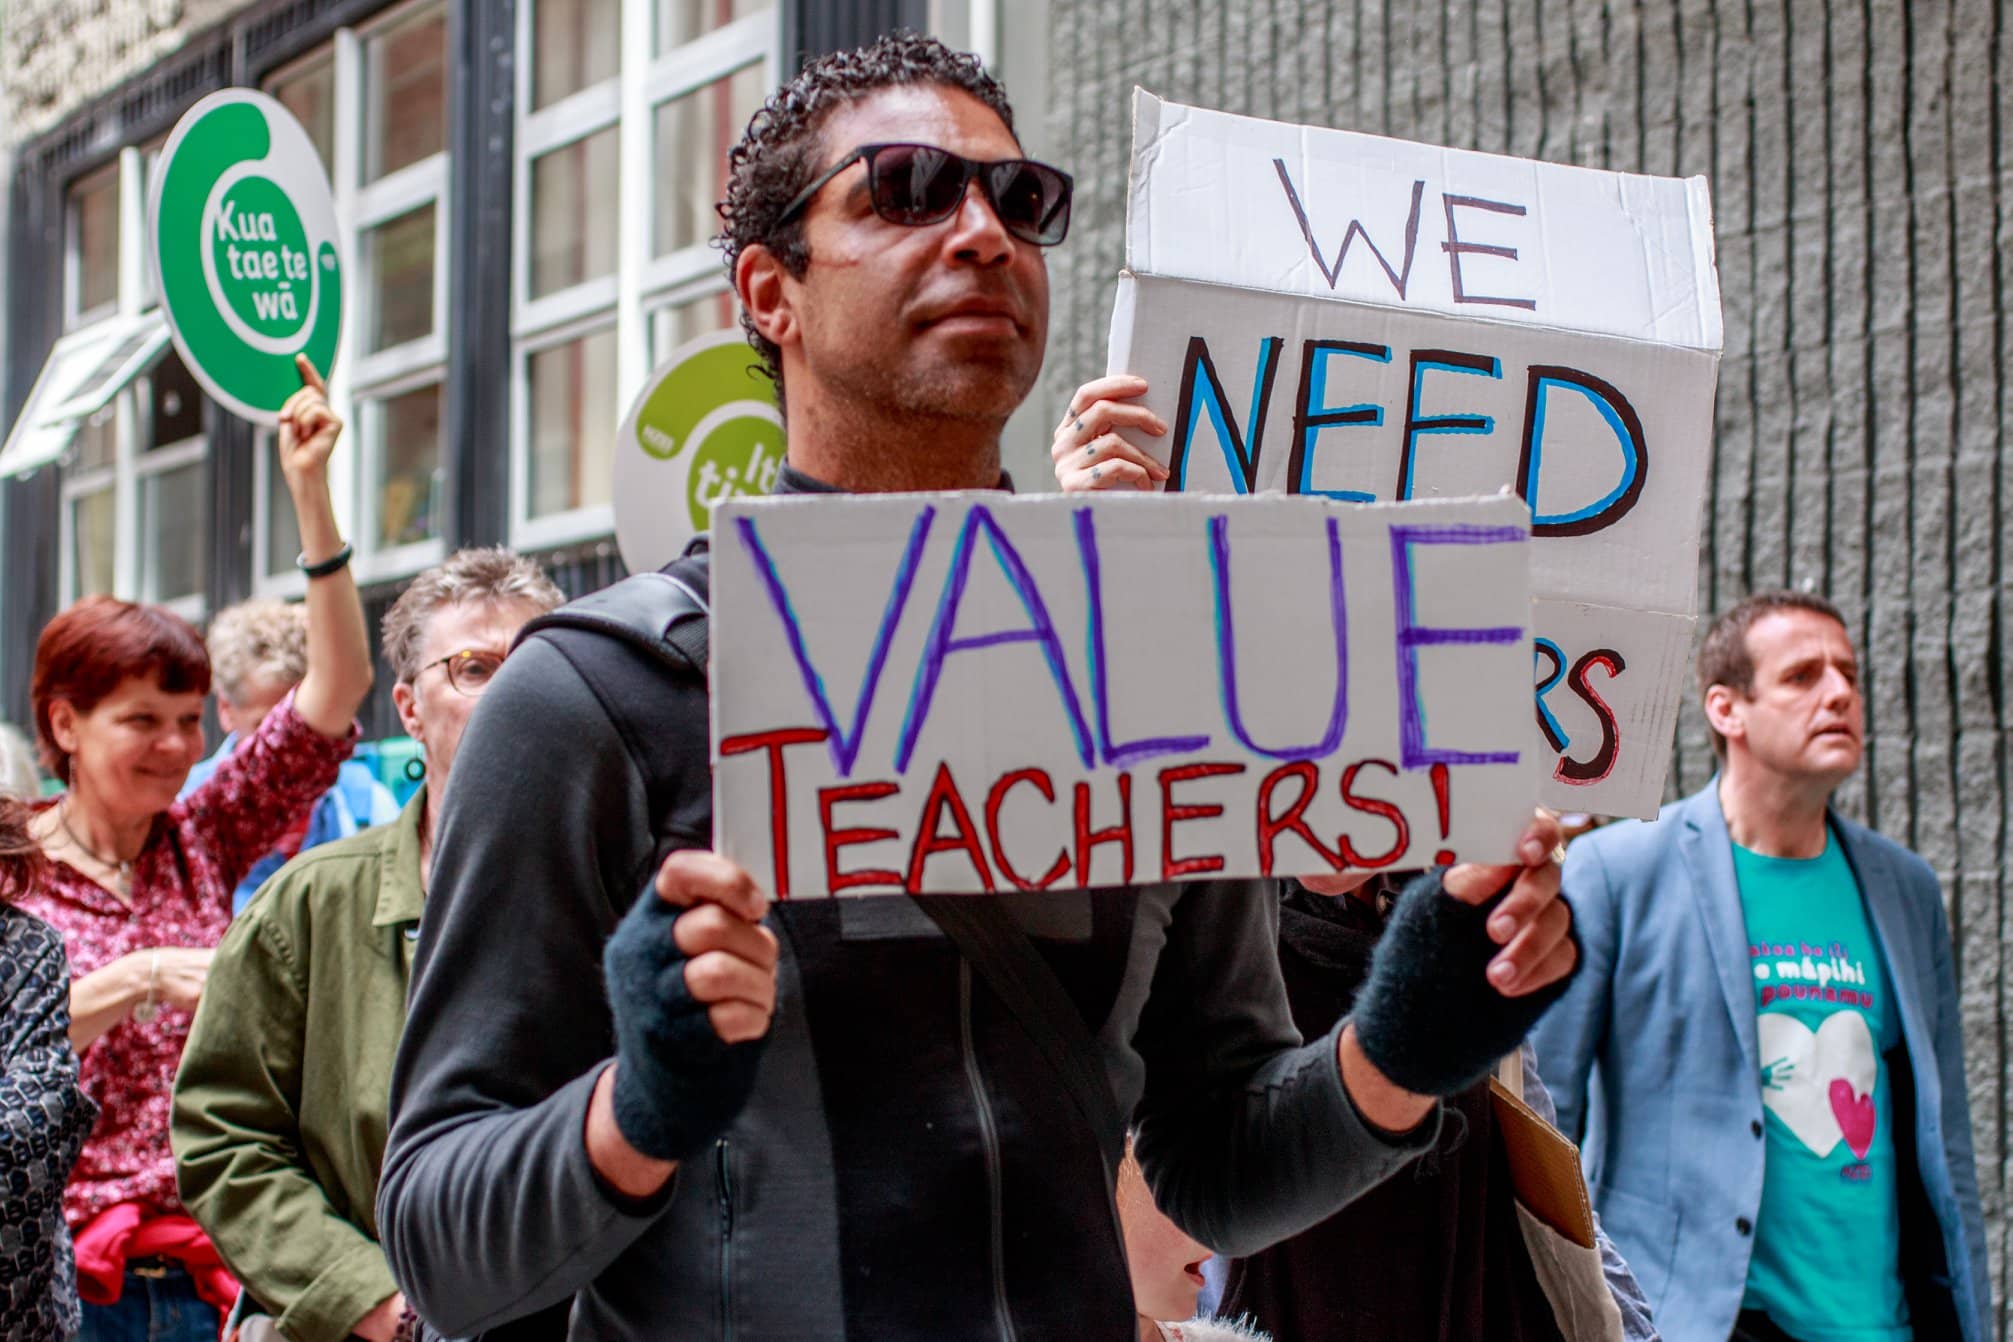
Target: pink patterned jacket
<point>200,849</point>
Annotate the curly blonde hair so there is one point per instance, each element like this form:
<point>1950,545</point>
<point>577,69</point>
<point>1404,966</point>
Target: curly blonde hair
<point>264,639</point>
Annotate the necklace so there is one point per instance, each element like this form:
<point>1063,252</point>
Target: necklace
<point>125,869</point>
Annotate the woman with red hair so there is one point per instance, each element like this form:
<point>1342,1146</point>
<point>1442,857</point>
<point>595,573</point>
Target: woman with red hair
<point>139,884</point>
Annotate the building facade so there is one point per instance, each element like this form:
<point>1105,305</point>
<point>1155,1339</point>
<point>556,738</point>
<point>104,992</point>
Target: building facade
<point>525,194</point>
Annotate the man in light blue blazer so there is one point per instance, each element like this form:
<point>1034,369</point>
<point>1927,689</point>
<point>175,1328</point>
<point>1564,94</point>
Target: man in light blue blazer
<point>1761,1056</point>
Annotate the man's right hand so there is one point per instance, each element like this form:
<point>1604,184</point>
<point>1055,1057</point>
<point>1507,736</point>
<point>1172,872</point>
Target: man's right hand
<point>691,979</point>
<point>1088,452</point>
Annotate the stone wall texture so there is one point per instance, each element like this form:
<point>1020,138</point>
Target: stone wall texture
<point>1863,190</point>
<point>56,55</point>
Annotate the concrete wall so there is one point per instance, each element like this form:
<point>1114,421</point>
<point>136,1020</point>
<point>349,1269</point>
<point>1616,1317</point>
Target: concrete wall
<point>1860,177</point>
<point>56,55</point>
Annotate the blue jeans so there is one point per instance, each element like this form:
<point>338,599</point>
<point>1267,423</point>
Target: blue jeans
<point>153,1309</point>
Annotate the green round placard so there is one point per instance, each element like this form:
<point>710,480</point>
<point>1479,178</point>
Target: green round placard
<point>241,237</point>
<point>706,426</point>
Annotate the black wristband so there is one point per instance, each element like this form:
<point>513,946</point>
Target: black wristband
<point>335,563</point>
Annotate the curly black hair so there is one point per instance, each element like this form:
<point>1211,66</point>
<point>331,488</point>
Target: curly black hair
<point>780,152</point>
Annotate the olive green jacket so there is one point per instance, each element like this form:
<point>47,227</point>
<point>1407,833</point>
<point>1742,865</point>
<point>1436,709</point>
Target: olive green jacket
<point>279,1123</point>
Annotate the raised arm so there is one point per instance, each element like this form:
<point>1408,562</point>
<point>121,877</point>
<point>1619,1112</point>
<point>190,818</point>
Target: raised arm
<point>339,666</point>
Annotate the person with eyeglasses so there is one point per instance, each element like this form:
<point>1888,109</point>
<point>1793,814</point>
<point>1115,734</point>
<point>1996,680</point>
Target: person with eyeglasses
<point>635,1094</point>
<point>279,1107</point>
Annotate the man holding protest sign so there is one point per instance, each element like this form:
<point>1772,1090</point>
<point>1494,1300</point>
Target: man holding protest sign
<point>882,1117</point>
<point>1768,1017</point>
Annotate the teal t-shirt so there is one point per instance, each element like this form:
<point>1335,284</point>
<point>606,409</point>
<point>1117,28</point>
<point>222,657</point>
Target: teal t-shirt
<point>1827,1241</point>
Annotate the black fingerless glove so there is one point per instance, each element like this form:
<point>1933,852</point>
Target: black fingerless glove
<point>1427,1015</point>
<point>677,1083</point>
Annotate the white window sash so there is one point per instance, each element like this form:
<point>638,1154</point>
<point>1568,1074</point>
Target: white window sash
<point>709,57</point>
<point>362,380</point>
<point>642,283</point>
<point>572,118</point>
<point>375,563</point>
<point>146,522</point>
<point>402,192</point>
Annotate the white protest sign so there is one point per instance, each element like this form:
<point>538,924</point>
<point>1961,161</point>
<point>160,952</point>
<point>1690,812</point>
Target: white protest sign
<point>978,692</point>
<point>705,426</point>
<point>1327,313</point>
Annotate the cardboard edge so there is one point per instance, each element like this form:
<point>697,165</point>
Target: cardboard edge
<point>1698,198</point>
<point>1154,118</point>
<point>1139,276</point>
<point>1146,119</point>
<point>1124,303</point>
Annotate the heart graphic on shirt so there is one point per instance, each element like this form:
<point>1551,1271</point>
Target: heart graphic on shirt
<point>1799,1067</point>
<point>1855,1116</point>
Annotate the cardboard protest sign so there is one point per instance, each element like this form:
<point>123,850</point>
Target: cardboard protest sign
<point>1335,314</point>
<point>241,237</point>
<point>705,427</point>
<point>978,692</point>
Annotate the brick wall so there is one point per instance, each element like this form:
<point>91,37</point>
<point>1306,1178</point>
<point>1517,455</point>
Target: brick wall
<point>56,55</point>
<point>1861,189</point>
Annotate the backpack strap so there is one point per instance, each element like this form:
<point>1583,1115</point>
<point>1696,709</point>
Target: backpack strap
<point>664,613</point>
<point>1005,957</point>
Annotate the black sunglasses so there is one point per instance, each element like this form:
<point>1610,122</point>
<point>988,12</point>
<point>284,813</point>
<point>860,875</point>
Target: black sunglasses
<point>919,184</point>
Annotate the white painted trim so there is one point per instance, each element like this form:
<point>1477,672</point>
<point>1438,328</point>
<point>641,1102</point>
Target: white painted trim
<point>402,192</point>
<point>420,359</point>
<point>589,299</point>
<point>642,283</point>
<point>574,117</point>
<point>401,561</point>
<point>710,57</point>
<point>172,457</point>
<point>568,528</point>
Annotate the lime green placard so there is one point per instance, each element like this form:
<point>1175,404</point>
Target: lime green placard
<point>706,427</point>
<point>242,240</point>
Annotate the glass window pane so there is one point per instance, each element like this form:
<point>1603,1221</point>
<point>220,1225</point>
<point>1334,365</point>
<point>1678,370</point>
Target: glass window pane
<point>399,256</point>
<point>97,441</point>
<point>174,529</point>
<point>694,134</point>
<point>672,326</point>
<point>408,489</point>
<point>573,415</point>
<point>573,219</point>
<point>91,520</point>
<point>680,21</point>
<point>174,403</point>
<point>150,156</point>
<point>283,529</point>
<point>94,205</point>
<point>405,94</point>
<point>309,93</point>
<point>575,44</point>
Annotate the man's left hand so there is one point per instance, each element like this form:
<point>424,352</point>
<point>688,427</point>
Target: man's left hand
<point>1532,924</point>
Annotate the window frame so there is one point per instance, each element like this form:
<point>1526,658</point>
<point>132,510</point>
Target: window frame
<point>76,317</point>
<point>363,380</point>
<point>641,283</point>
<point>132,468</point>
